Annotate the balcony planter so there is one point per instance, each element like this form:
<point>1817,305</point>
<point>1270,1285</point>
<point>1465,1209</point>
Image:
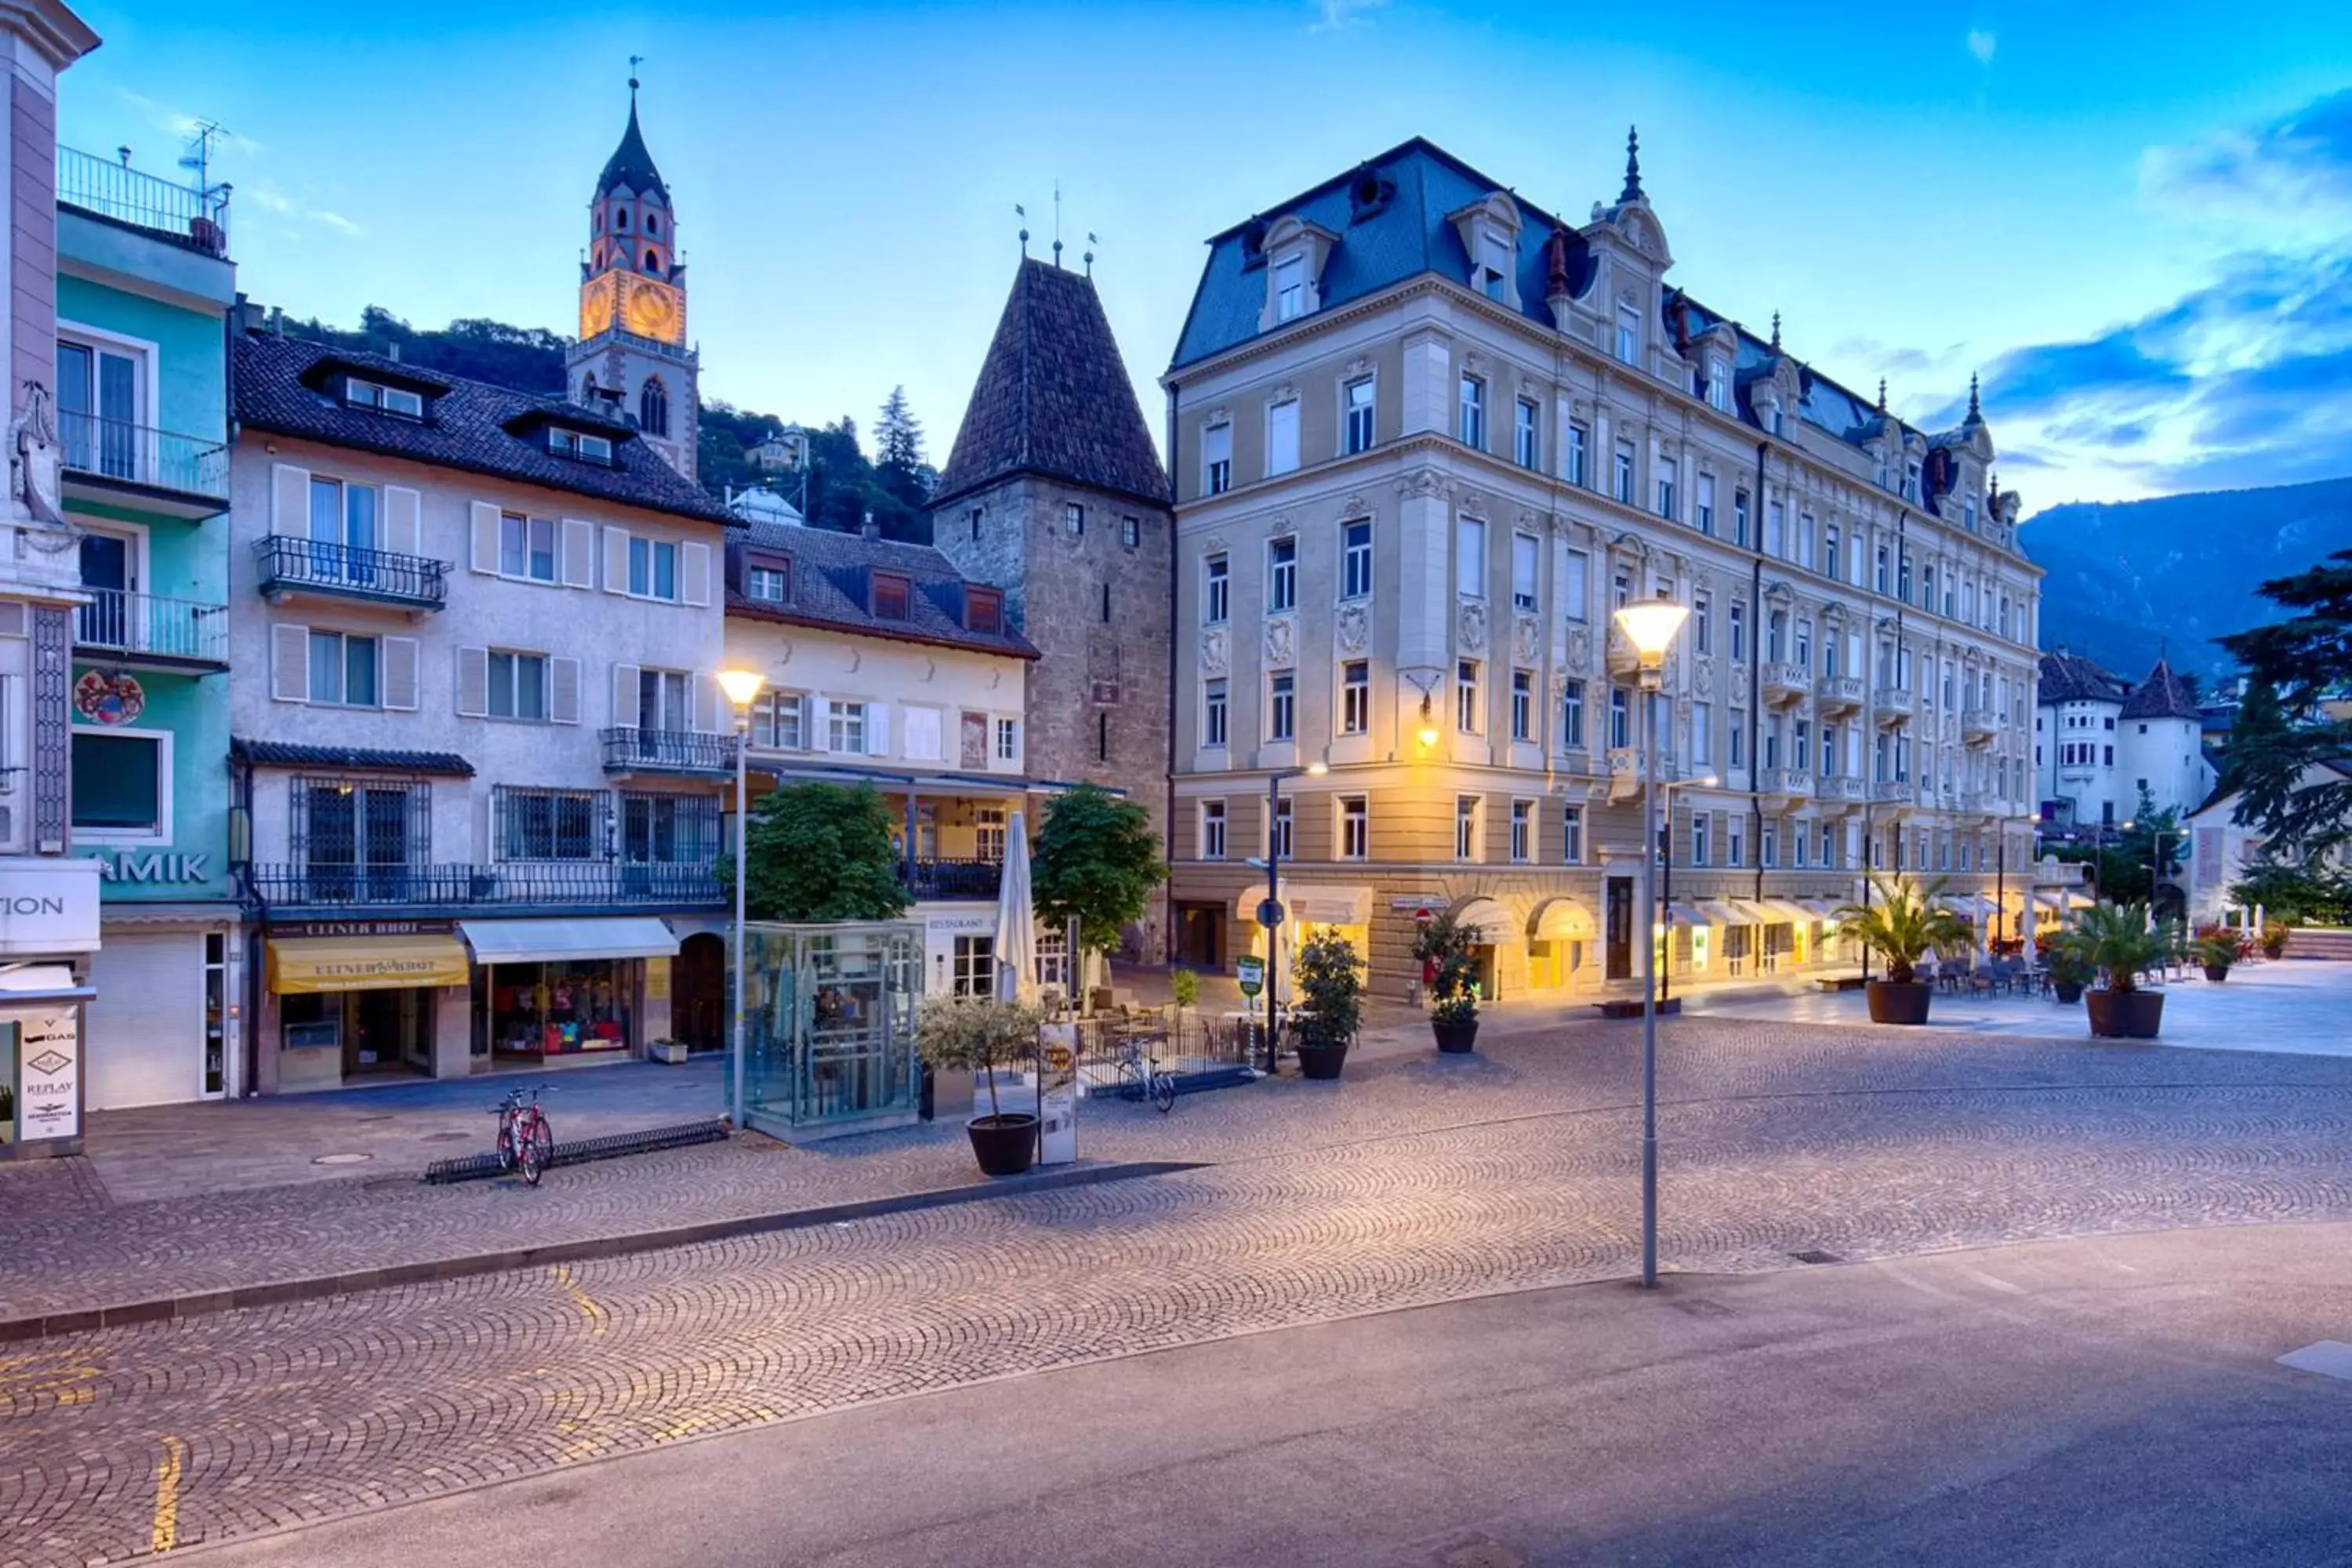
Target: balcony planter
<point>1005,1144</point>
<point>1903,1001</point>
<point>2125,1014</point>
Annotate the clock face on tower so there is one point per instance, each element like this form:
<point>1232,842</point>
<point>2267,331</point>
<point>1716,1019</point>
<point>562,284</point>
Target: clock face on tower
<point>653,309</point>
<point>597,296</point>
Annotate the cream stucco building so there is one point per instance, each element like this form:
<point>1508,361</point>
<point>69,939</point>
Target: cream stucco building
<point>1426,438</point>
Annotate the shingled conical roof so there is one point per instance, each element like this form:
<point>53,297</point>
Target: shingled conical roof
<point>631,164</point>
<point>1054,398</point>
<point>2163,695</point>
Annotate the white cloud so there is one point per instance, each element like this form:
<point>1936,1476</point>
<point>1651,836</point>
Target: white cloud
<point>1981,43</point>
<point>270,198</point>
<point>1339,14</point>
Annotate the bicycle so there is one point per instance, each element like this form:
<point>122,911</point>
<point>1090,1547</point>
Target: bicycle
<point>526,1142</point>
<point>1139,1077</point>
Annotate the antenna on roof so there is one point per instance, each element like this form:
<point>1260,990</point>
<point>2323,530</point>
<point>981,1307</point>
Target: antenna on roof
<point>199,155</point>
<point>1057,223</point>
<point>1091,243</point>
<point>1022,212</point>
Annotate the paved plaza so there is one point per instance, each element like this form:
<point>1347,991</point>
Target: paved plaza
<point>1413,1182</point>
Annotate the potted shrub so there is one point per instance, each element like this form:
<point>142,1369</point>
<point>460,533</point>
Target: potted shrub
<point>977,1036</point>
<point>1184,990</point>
<point>2218,947</point>
<point>1330,1002</point>
<point>2116,940</point>
<point>2275,938</point>
<point>1902,927</point>
<point>2068,972</point>
<point>1444,947</point>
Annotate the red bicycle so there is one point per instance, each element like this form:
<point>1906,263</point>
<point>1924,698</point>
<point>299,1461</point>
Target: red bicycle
<point>526,1142</point>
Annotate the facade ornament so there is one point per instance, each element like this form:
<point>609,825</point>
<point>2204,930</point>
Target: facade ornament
<point>1352,627</point>
<point>1526,638</point>
<point>1422,483</point>
<point>1280,642</point>
<point>1215,657</point>
<point>1473,504</point>
<point>1359,365</point>
<point>1702,676</point>
<point>35,464</point>
<point>1470,625</point>
<point>1353,505</point>
<point>1579,648</point>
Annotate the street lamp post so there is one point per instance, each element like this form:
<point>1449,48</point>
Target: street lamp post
<point>741,687</point>
<point>1650,624</point>
<point>1274,895</point>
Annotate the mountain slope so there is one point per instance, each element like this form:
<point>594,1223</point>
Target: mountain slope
<point>2128,578</point>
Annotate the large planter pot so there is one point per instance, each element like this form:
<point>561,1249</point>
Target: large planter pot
<point>1005,1145</point>
<point>2068,991</point>
<point>1454,1039</point>
<point>1899,1003</point>
<point>1322,1061</point>
<point>2125,1014</point>
<point>2216,973</point>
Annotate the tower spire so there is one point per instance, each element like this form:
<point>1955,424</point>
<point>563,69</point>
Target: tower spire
<point>1976,413</point>
<point>1776,331</point>
<point>1882,395</point>
<point>1633,190</point>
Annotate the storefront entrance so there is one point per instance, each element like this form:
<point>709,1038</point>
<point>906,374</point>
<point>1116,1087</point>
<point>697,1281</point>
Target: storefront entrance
<point>1201,940</point>
<point>567,1007</point>
<point>1618,926</point>
<point>697,1001</point>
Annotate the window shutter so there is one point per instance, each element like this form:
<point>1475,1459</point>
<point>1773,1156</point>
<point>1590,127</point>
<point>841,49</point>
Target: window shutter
<point>563,690</point>
<point>617,560</point>
<point>694,573</point>
<point>404,520</point>
<point>473,682</point>
<point>290,500</point>
<point>624,695</point>
<point>485,537</point>
<point>290,663</point>
<point>400,672</point>
<point>718,714</point>
<point>877,729</point>
<point>820,726</point>
<point>579,553</point>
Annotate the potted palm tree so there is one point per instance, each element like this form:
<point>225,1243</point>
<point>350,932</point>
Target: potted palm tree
<point>2117,940</point>
<point>2068,972</point>
<point>1446,949</point>
<point>978,1035</point>
<point>1902,927</point>
<point>1331,1003</point>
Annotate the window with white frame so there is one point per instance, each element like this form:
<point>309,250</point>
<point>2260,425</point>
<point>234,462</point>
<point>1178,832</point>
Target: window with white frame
<point>1706,515</point>
<point>1282,706</point>
<point>779,721</point>
<point>1831,560</point>
<point>1217,590</point>
<point>1701,622</point>
<point>1698,837</point>
<point>527,547</point>
<point>845,728</point>
<point>1572,835</point>
<point>1571,714</point>
<point>1719,384</point>
<point>764,582</point>
<point>1283,838</point>
<point>1281,576</point>
<point>1217,460</point>
<point>1523,830</point>
<point>1629,333</point>
<point>1213,830</point>
<point>342,514</point>
<point>1526,433</point>
<point>1465,696</point>
<point>1739,518</point>
<point>1008,740</point>
<point>1734,842</point>
<point>343,669</point>
<point>1355,828</point>
<point>1621,485</point>
<point>1355,697</point>
<point>1471,423</point>
<point>1282,436</point>
<point>1074,519</point>
<point>1290,288</point>
<point>653,569</point>
<point>972,971</point>
<point>1621,718</point>
<point>1579,442</point>
<point>1526,558</point>
<point>1470,557</point>
<point>1575,585</point>
<point>1130,531</point>
<point>518,687</point>
<point>1702,743</point>
<point>1523,705</point>
<point>1805,540</point>
<point>1212,713</point>
<point>122,785</point>
<point>1355,558</point>
<point>1491,277</point>
<point>1357,430</point>
<point>1665,487</point>
<point>1776,541</point>
<point>1466,811</point>
<point>1738,623</point>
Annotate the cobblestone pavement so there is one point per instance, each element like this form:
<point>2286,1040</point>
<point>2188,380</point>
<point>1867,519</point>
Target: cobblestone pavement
<point>1416,1181</point>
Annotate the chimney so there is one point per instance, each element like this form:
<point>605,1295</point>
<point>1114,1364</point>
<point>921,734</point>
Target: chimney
<point>868,528</point>
<point>393,349</point>
<point>278,321</point>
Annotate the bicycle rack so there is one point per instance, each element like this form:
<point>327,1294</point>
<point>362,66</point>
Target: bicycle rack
<point>612,1146</point>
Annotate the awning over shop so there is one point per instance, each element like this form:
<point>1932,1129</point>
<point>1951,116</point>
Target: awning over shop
<point>302,966</point>
<point>1311,906</point>
<point>1494,921</point>
<point>29,984</point>
<point>1679,913</point>
<point>558,942</point>
<point>1820,909</point>
<point>1560,919</point>
<point>1720,912</point>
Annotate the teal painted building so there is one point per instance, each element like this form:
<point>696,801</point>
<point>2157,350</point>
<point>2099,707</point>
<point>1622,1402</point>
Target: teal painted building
<point>144,292</point>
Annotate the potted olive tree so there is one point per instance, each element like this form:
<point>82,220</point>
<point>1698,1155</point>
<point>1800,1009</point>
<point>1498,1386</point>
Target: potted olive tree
<point>1331,1003</point>
<point>977,1036</point>
<point>1902,927</point>
<point>2117,941</point>
<point>1446,949</point>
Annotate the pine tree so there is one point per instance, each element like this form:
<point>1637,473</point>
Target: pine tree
<point>2296,663</point>
<point>897,436</point>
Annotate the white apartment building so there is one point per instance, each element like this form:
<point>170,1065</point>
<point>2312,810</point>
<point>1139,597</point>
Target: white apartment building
<point>2099,742</point>
<point>473,714</point>
<point>1427,436</point>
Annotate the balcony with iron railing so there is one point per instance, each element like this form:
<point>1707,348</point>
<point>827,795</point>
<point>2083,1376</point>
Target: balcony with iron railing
<point>941,879</point>
<point>632,750</point>
<point>191,216</point>
<point>109,459</point>
<point>587,885</point>
<point>149,631</point>
<point>290,566</point>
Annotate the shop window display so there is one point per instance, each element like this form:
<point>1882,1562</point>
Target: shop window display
<point>557,1008</point>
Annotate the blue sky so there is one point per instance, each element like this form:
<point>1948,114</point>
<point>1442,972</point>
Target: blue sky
<point>2136,220</point>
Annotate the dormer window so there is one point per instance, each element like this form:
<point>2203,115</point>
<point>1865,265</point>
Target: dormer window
<point>770,582</point>
<point>1911,482</point>
<point>984,611</point>
<point>893,596</point>
<point>1489,233</point>
<point>579,444</point>
<point>1719,386</point>
<point>1629,333</point>
<point>1290,288</point>
<point>1294,250</point>
<point>397,400</point>
<point>1494,274</point>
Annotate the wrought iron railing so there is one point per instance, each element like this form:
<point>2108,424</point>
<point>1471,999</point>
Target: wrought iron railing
<point>632,750</point>
<point>953,879</point>
<point>151,625</point>
<point>141,455</point>
<point>514,883</point>
<point>115,190</point>
<point>284,561</point>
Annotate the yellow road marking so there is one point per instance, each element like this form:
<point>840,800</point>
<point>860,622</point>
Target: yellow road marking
<point>167,1497</point>
<point>581,1299</point>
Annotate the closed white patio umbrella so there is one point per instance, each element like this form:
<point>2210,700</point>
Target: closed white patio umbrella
<point>1017,921</point>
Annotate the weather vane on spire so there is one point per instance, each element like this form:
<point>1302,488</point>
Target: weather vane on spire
<point>1022,214</point>
<point>1057,223</point>
<point>635,61</point>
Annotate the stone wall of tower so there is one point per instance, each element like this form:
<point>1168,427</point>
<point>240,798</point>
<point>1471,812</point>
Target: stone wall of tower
<point>619,367</point>
<point>1098,699</point>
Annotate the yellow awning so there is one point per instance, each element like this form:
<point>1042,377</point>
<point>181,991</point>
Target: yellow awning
<point>304,965</point>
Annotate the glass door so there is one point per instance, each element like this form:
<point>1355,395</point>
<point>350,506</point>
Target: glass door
<point>110,571</point>
<point>98,409</point>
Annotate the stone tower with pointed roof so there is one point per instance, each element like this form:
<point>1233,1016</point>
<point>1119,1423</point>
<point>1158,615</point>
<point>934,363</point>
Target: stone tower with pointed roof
<point>633,356</point>
<point>1055,494</point>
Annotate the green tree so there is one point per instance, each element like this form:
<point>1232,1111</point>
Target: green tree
<point>1097,860</point>
<point>2294,663</point>
<point>2299,892</point>
<point>821,852</point>
<point>899,451</point>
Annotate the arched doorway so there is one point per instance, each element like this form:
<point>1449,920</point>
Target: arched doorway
<point>697,1003</point>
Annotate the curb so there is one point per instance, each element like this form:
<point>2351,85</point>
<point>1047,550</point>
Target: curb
<point>194,1304</point>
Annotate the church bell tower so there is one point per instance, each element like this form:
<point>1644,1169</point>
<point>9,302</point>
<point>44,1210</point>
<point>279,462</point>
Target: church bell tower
<point>632,358</point>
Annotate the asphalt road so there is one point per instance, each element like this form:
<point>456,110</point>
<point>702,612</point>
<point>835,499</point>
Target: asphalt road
<point>2110,1401</point>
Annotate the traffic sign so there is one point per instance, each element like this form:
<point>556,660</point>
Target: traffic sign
<point>1425,916</point>
<point>1269,912</point>
<point>1251,973</point>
